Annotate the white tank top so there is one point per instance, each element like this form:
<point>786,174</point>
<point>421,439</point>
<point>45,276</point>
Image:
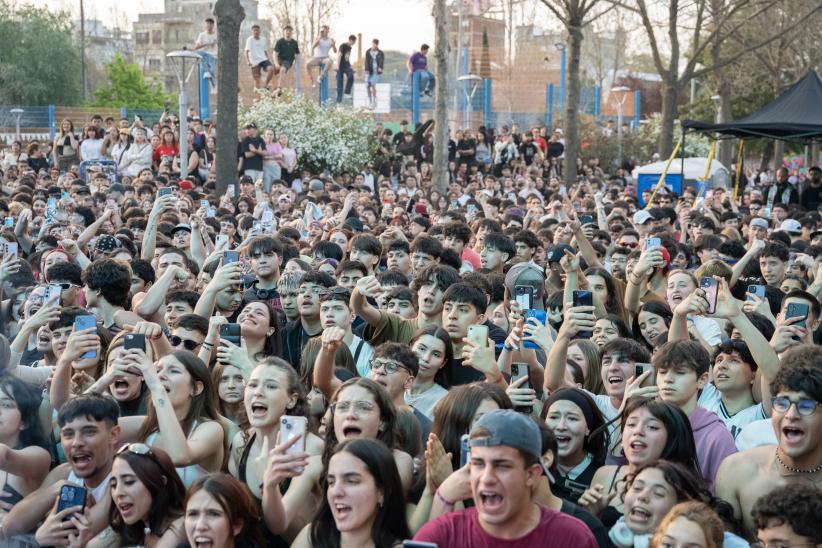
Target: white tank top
<point>323,47</point>
<point>98,492</point>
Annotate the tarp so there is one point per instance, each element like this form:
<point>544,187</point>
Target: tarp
<point>796,115</point>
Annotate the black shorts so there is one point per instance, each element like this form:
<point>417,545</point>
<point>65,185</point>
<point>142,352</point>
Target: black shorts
<point>286,63</point>
<point>262,67</point>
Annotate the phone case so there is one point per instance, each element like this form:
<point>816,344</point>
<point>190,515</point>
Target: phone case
<point>478,334</point>
<point>290,427</point>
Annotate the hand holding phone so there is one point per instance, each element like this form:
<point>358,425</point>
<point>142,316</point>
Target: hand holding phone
<point>584,298</point>
<point>710,287</point>
<point>290,428</point>
<point>524,297</point>
<point>81,323</point>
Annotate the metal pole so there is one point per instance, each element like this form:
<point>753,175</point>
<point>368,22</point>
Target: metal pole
<point>549,114</point>
<point>619,133</point>
<point>486,114</point>
<point>563,60</point>
<point>597,102</point>
<point>637,109</point>
<point>457,63</point>
<point>52,122</point>
<point>415,98</point>
<point>183,123</point>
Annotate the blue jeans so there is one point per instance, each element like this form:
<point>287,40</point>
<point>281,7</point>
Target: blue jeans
<point>348,73</point>
<point>270,173</point>
<point>427,80</point>
<point>208,63</point>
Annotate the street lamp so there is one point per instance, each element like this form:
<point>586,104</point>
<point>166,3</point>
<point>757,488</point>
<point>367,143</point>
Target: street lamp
<point>179,60</point>
<point>18,112</point>
<point>622,93</point>
<point>470,80</point>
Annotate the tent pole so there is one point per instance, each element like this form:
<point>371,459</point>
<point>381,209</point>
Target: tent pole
<point>682,163</point>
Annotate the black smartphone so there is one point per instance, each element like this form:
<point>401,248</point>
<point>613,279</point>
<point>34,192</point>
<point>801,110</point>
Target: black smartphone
<point>417,544</point>
<point>584,298</point>
<point>82,323</point>
<point>135,341</point>
<point>640,368</point>
<point>519,370</point>
<point>230,332</point>
<point>710,287</point>
<point>586,219</point>
<point>758,290</point>
<point>798,310</point>
<point>232,256</point>
<point>465,449</point>
<point>524,296</point>
<point>71,496</point>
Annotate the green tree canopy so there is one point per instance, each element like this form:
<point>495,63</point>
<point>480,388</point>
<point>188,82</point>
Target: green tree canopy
<point>128,87</point>
<point>40,59</point>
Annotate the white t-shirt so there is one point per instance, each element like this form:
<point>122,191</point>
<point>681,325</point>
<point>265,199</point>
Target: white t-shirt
<point>756,434</point>
<point>363,361</point>
<point>257,49</point>
<point>711,399</point>
<point>208,39</point>
<point>425,402</point>
<point>708,328</point>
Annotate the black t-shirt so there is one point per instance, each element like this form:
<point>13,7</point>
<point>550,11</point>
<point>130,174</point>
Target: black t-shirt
<point>286,50</point>
<point>294,339</point>
<point>528,151</point>
<point>811,198</point>
<point>345,56</point>
<point>555,150</point>
<point>254,162</point>
<point>596,527</point>
<point>467,145</point>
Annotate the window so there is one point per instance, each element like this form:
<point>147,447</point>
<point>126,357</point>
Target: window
<point>155,64</point>
<point>157,37</point>
<point>141,37</point>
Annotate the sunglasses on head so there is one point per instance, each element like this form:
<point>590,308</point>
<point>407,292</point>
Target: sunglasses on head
<point>188,344</point>
<point>137,449</point>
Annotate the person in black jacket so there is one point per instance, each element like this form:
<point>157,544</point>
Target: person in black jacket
<point>374,61</point>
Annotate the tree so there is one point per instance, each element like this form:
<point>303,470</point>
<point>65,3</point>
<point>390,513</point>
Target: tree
<point>129,87</point>
<point>706,22</point>
<point>484,69</point>
<point>574,15</point>
<point>230,15</point>
<point>440,167</point>
<point>39,59</point>
<point>306,16</point>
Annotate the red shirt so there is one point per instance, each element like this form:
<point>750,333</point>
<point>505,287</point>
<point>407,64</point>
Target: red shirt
<point>554,529</point>
<point>164,150</point>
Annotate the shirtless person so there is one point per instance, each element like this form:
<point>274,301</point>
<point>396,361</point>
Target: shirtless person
<point>797,420</point>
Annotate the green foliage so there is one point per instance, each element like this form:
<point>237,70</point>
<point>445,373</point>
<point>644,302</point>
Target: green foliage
<point>128,87</point>
<point>39,57</point>
<point>327,139</point>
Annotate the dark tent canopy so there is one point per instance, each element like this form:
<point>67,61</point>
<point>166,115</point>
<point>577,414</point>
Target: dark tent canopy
<point>796,115</point>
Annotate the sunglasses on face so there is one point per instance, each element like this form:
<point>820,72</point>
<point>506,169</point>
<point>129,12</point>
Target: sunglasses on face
<point>188,344</point>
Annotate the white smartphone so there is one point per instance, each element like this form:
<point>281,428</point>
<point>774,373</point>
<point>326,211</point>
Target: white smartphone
<point>11,250</point>
<point>222,241</point>
<point>478,334</point>
<point>52,298</point>
<point>291,427</point>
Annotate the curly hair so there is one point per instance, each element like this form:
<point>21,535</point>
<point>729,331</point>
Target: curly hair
<point>798,506</point>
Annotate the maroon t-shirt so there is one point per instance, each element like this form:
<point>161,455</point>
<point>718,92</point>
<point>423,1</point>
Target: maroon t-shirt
<point>462,528</point>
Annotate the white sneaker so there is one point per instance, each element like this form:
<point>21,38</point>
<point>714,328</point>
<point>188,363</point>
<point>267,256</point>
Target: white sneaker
<point>207,76</point>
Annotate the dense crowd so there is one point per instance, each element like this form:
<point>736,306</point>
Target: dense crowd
<point>361,359</point>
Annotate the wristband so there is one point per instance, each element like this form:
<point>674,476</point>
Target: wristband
<point>443,499</point>
<point>208,345</point>
<point>508,348</point>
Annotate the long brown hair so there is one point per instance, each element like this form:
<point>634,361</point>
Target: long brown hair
<point>203,405</point>
<point>236,501</point>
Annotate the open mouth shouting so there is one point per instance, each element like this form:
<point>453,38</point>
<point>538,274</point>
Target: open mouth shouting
<point>490,501</point>
<point>258,410</point>
<point>351,431</point>
<point>203,542</point>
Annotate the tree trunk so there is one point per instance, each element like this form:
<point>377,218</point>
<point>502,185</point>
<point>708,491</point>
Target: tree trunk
<point>230,15</point>
<point>440,167</point>
<point>572,103</point>
<point>670,97</point>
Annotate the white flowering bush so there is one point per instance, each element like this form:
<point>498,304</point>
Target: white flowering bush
<point>327,139</point>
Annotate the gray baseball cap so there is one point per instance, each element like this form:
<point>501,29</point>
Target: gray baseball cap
<point>509,428</point>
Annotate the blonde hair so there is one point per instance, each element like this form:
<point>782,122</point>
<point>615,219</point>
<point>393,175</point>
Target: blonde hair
<point>698,513</point>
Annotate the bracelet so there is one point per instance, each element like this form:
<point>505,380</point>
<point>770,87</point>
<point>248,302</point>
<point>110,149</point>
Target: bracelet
<point>443,499</point>
<point>508,348</point>
<point>208,345</point>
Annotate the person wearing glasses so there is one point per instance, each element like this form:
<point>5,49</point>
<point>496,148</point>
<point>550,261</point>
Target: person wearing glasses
<point>69,277</point>
<point>189,333</point>
<point>796,420</point>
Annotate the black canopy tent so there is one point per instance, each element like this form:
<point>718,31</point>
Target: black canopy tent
<point>796,115</point>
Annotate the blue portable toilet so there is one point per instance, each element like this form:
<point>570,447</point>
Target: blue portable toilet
<point>647,176</point>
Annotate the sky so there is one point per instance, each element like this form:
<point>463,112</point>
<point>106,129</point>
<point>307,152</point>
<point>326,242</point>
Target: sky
<point>409,24</point>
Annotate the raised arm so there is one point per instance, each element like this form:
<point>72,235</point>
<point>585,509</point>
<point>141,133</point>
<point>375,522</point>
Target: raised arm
<point>753,251</point>
<point>79,342</point>
<point>323,377</point>
<point>161,204</point>
<point>225,276</point>
<point>577,319</point>
<point>638,279</point>
<point>154,299</point>
<point>184,450</point>
<point>367,286</point>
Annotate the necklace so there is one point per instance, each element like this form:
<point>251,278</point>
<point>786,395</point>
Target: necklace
<point>796,470</point>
